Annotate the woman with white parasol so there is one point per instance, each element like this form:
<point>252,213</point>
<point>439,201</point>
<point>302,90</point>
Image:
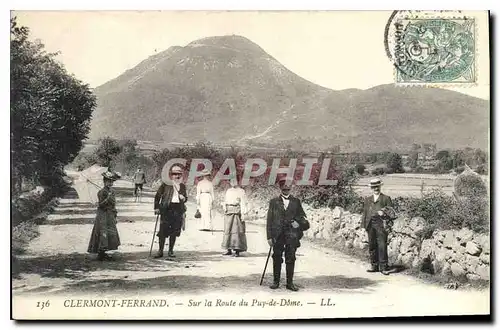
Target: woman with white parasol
<point>104,235</point>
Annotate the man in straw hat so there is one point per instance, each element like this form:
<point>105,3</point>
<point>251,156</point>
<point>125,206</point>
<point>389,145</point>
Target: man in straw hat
<point>286,221</point>
<point>377,214</point>
<point>169,203</point>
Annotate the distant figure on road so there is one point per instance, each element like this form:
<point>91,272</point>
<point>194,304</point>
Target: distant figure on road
<point>104,235</point>
<point>139,180</point>
<point>378,214</point>
<point>286,221</point>
<point>169,203</point>
<point>234,227</point>
<point>204,199</point>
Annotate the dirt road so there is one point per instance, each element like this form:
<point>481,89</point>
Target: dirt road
<point>56,265</point>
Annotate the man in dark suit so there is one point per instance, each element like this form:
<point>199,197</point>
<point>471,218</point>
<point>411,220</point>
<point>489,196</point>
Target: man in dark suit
<point>286,221</point>
<point>169,203</point>
<point>378,214</point>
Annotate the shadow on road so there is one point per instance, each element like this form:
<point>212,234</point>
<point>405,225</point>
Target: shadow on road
<point>199,284</point>
<point>90,220</point>
<point>71,194</point>
<point>78,267</point>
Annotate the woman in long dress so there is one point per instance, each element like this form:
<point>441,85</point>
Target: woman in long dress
<point>204,200</point>
<point>234,228</point>
<point>104,235</point>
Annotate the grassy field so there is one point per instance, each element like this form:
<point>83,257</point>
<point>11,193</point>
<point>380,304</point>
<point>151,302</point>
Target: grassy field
<point>408,185</point>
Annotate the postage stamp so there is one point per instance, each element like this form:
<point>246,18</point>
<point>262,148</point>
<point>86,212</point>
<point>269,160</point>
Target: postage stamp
<point>433,50</point>
<point>237,165</point>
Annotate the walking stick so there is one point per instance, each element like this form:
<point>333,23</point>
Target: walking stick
<point>265,267</point>
<point>154,232</point>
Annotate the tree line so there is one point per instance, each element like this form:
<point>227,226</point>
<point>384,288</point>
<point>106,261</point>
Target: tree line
<point>50,112</point>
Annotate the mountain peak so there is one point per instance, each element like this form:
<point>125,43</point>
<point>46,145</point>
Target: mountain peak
<point>232,42</point>
<point>227,89</point>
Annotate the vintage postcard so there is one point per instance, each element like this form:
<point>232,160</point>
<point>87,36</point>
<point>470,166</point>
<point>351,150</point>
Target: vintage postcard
<point>201,165</point>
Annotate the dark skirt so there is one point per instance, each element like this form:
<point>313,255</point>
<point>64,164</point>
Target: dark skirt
<point>234,232</point>
<point>171,221</point>
<point>104,235</point>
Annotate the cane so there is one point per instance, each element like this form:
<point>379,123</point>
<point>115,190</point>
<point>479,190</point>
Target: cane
<point>154,232</point>
<point>265,267</point>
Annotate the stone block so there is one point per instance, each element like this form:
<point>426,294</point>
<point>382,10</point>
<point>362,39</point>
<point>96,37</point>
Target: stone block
<point>337,212</point>
<point>449,240</point>
<point>464,235</point>
<point>485,257</point>
<point>472,248</point>
<point>473,277</point>
<point>483,271</point>
<point>457,269</point>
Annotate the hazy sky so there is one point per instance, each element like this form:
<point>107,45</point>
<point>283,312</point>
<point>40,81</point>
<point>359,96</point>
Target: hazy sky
<point>337,50</point>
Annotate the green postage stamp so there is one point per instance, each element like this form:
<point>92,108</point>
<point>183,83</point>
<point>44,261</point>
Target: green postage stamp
<point>433,50</point>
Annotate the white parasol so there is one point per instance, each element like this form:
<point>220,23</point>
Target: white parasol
<point>89,182</point>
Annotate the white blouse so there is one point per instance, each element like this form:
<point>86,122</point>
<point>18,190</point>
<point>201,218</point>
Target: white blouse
<point>204,187</point>
<point>236,196</point>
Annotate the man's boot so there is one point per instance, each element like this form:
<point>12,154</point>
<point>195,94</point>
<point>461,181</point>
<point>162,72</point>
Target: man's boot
<point>372,269</point>
<point>384,269</point>
<point>161,246</point>
<point>289,277</point>
<point>171,246</point>
<point>276,275</point>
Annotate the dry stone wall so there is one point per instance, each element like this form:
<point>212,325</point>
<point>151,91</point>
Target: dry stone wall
<point>461,253</point>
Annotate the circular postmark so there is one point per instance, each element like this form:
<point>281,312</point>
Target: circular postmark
<point>430,48</point>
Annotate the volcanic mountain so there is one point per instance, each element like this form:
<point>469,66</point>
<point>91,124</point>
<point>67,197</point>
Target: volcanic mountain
<point>229,90</point>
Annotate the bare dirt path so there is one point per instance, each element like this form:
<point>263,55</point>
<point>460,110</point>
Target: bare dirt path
<point>56,264</point>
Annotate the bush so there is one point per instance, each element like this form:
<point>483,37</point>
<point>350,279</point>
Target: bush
<point>434,206</point>
<point>482,169</point>
<point>443,212</point>
<point>360,169</point>
<point>469,184</point>
<point>472,212</point>
<point>342,194</point>
<point>22,235</point>
<point>378,171</point>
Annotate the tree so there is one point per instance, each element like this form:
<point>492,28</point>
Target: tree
<point>50,110</point>
<point>107,149</point>
<point>360,168</point>
<point>395,163</point>
<point>413,159</point>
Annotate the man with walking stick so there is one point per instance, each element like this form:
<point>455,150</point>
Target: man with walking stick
<point>169,204</point>
<point>286,221</point>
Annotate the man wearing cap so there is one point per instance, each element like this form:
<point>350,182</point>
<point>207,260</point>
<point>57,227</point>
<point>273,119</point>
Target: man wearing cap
<point>169,203</point>
<point>378,213</point>
<point>286,221</point>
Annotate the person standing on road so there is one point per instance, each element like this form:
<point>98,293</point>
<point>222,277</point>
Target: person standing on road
<point>204,200</point>
<point>104,235</point>
<point>378,214</point>
<point>169,203</point>
<point>235,207</point>
<point>139,180</point>
<point>286,221</point>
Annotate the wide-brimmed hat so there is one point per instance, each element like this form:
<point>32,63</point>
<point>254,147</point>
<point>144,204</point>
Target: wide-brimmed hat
<point>375,183</point>
<point>205,172</point>
<point>110,175</point>
<point>176,170</point>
